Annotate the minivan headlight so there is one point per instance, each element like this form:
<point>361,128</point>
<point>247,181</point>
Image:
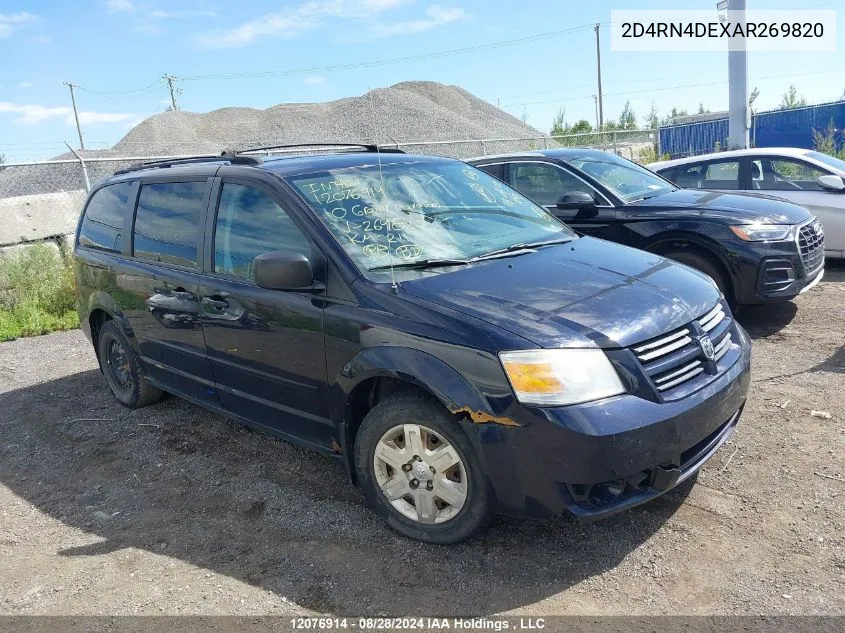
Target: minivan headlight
<point>560,376</point>
<point>761,232</point>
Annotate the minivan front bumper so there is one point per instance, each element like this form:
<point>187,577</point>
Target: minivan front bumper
<point>600,458</point>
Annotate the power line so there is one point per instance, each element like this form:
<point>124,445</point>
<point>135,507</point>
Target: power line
<point>664,88</point>
<point>394,60</point>
<point>157,82</point>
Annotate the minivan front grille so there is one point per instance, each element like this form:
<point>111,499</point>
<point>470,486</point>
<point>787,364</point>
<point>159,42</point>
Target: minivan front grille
<point>673,359</point>
<point>811,246</point>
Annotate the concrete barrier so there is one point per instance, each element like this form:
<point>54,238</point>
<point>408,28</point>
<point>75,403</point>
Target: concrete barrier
<point>39,217</point>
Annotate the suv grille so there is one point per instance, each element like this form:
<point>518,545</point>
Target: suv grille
<point>811,245</point>
<point>675,358</point>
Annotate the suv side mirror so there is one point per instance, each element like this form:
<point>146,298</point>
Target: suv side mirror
<point>831,182</point>
<point>283,270</point>
<point>577,200</point>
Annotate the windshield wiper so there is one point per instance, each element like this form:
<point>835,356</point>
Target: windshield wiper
<point>422,263</point>
<point>514,249</point>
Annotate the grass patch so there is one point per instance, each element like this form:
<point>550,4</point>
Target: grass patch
<point>37,293</point>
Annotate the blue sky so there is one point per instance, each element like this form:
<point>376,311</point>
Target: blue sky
<point>117,51</point>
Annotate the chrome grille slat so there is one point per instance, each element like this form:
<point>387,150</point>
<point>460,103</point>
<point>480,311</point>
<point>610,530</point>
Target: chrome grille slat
<point>661,341</point>
<point>681,379</point>
<point>722,348</point>
<point>710,315</point>
<point>709,325</point>
<point>675,358</point>
<point>680,371</point>
<point>662,351</point>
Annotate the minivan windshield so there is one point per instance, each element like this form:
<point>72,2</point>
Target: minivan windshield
<point>423,212</point>
<point>623,177</point>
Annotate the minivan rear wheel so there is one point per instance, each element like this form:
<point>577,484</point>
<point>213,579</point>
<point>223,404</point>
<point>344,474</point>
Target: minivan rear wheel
<point>122,370</point>
<point>419,472</point>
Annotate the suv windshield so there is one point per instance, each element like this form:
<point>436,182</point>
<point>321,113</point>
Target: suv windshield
<point>423,211</point>
<point>626,179</point>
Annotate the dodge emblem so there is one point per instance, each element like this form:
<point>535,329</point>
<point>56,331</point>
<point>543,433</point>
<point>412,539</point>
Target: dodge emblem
<point>707,347</point>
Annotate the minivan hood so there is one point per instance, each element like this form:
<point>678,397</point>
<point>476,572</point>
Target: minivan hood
<point>584,293</point>
<point>745,208</point>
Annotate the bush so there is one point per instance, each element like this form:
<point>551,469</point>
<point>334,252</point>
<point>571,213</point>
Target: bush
<point>37,293</point>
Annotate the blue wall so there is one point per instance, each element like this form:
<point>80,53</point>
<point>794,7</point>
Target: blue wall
<point>778,128</point>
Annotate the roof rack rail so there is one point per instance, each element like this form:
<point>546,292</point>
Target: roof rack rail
<point>366,147</point>
<point>188,160</point>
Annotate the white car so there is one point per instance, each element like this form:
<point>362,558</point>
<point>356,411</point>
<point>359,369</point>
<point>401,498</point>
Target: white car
<point>811,179</point>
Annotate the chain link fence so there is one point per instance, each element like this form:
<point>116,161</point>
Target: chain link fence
<point>79,171</point>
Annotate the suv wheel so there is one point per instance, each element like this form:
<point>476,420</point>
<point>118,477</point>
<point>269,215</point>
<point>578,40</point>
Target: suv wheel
<point>122,370</point>
<point>705,265</point>
<point>419,471</point>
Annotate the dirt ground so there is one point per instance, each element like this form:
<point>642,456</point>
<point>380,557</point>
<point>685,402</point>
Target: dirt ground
<point>170,509</point>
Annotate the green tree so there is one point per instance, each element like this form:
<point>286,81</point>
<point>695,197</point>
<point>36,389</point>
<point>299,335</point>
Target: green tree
<point>652,118</point>
<point>628,119</point>
<point>791,99</point>
<point>755,92</point>
<point>674,113</point>
<point>559,125</point>
<point>581,127</point>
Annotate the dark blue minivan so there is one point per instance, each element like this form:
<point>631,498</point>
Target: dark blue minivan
<point>461,350</point>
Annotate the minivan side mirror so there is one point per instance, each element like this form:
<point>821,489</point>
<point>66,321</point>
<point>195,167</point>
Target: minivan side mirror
<point>283,270</point>
<point>578,200</point>
<point>831,182</point>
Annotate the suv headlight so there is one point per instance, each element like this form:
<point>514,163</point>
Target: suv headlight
<point>560,376</point>
<point>762,232</point>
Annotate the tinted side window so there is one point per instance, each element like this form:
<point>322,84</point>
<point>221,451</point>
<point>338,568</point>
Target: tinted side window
<point>103,221</point>
<point>167,222</point>
<point>250,223</point>
<point>784,174</point>
<point>546,184</point>
<point>497,170</point>
<point>721,175</point>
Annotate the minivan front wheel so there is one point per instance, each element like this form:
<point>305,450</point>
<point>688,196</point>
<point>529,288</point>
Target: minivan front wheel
<point>419,472</point>
<point>122,370</point>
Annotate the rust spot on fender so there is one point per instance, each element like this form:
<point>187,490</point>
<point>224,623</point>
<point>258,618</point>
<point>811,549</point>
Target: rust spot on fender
<point>479,417</point>
<point>336,447</point>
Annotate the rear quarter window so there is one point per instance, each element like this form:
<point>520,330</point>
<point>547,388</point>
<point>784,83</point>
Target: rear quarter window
<point>167,222</point>
<point>102,222</point>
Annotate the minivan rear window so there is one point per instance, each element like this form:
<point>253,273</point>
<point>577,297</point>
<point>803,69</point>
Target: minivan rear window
<point>103,221</point>
<point>167,222</point>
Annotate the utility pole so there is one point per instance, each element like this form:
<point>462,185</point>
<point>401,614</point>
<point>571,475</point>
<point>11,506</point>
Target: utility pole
<point>738,110</point>
<point>75,113</point>
<point>596,103</point>
<point>598,66</point>
<point>169,79</point>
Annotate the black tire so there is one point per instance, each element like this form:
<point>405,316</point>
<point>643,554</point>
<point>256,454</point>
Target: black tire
<point>706,265</point>
<point>409,407</point>
<point>122,369</point>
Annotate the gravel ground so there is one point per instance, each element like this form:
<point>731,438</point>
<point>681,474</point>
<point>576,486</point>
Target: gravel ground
<point>170,509</point>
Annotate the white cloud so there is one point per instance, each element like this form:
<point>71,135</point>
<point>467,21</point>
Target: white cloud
<point>11,22</point>
<point>87,118</point>
<point>437,16</point>
<point>296,20</point>
<point>159,14</point>
<point>30,114</point>
<point>311,81</point>
<point>25,84</point>
<point>120,6</point>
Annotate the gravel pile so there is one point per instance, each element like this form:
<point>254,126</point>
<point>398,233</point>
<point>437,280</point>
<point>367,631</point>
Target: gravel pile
<point>407,112</point>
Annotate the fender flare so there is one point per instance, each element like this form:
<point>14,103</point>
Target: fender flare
<point>101,300</point>
<point>713,247</point>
